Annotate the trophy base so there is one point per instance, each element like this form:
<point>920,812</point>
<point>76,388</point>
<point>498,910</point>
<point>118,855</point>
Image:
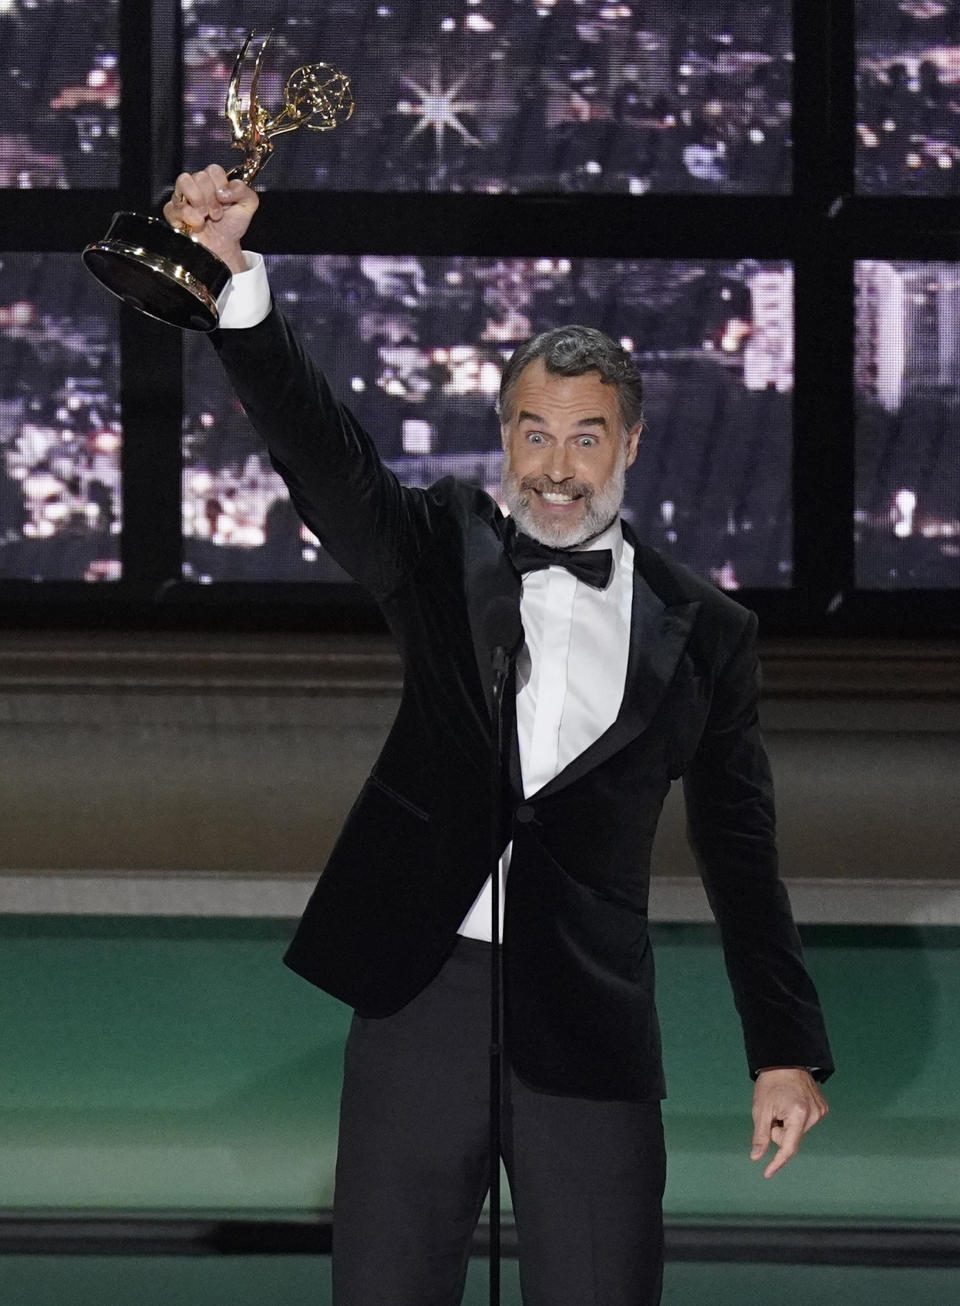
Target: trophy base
<point>157,271</point>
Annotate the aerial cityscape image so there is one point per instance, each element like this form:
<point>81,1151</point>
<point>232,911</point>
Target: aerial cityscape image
<point>60,120</point>
<point>415,346</point>
<point>498,96</point>
<point>908,425</point>
<point>908,97</point>
<point>511,96</point>
<point>60,432</point>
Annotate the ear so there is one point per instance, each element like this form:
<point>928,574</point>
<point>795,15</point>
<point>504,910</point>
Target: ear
<point>633,442</point>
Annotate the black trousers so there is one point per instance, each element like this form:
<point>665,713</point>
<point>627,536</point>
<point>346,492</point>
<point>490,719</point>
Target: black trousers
<point>586,1176</point>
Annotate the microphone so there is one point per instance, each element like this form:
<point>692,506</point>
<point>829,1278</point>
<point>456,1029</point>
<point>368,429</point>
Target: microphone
<point>502,634</point>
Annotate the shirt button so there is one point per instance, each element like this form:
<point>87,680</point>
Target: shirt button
<point>525,813</point>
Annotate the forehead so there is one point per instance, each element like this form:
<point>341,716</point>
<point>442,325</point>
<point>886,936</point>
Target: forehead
<point>563,398</point>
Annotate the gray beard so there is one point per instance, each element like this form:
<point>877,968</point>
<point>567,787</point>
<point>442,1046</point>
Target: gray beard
<point>603,505</point>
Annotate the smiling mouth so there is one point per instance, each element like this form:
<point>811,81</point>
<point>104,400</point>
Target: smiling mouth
<point>553,495</point>
<point>558,499</point>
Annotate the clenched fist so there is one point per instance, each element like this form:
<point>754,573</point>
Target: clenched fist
<point>213,211</point>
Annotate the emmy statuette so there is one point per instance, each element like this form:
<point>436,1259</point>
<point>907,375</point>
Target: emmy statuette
<point>167,274</point>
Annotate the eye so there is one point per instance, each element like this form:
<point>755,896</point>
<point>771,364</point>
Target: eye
<point>587,441</point>
<point>534,437</point>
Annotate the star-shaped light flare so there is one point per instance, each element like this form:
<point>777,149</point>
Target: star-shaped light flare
<point>438,108</point>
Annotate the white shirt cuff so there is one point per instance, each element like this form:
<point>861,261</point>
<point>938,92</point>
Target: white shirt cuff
<point>246,298</point>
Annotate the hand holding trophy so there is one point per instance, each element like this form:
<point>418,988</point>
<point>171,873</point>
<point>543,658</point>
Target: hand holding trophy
<point>177,270</point>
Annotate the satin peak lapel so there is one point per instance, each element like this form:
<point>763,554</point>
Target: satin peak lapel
<point>658,636</point>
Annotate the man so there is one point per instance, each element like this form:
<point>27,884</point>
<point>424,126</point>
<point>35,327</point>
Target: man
<point>632,673</point>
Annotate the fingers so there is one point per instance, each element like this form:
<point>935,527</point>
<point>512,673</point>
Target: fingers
<point>786,1136</point>
<point>195,200</point>
<point>202,197</point>
<point>237,192</point>
<point>217,175</point>
<point>762,1136</point>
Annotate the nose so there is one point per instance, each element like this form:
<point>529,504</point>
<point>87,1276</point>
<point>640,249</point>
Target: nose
<point>558,465</point>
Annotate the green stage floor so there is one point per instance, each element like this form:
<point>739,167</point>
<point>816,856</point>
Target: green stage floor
<point>305,1281</point>
<point>175,1065</point>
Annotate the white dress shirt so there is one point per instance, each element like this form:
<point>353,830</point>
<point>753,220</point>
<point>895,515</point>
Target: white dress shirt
<point>246,297</point>
<point>571,673</point>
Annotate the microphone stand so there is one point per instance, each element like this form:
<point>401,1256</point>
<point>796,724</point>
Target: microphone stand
<point>501,666</point>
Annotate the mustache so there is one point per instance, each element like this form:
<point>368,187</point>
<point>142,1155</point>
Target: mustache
<point>544,485</point>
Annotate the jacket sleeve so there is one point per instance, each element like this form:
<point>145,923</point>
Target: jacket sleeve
<point>374,527</point>
<point>731,827</point>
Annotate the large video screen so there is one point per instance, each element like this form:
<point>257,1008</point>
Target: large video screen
<point>60,436</point>
<point>59,120</point>
<point>908,97</point>
<point>415,346</point>
<point>908,425</point>
<point>514,95</point>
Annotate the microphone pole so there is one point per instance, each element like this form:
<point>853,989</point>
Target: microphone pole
<point>504,635</point>
<point>501,664</point>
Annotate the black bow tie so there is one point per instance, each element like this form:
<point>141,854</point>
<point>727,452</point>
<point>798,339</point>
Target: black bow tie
<point>590,565</point>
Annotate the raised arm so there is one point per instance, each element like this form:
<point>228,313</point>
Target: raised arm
<point>371,525</point>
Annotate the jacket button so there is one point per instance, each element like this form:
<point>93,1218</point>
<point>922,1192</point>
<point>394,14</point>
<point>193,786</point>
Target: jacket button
<point>525,813</point>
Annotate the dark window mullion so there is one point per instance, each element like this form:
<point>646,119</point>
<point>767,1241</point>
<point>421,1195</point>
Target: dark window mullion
<point>824,102</point>
<point>598,226</point>
<point>824,454</point>
<point>151,354</point>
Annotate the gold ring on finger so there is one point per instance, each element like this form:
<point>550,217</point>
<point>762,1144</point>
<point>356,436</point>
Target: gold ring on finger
<point>184,228</point>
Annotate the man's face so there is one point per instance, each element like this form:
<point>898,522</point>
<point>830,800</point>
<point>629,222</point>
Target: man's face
<point>566,455</point>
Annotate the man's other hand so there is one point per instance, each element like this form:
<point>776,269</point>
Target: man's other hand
<point>786,1103</point>
<point>213,211</point>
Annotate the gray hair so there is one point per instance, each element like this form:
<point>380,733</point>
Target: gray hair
<point>572,351</point>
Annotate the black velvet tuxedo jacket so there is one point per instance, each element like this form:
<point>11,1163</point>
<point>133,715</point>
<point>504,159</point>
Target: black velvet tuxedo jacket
<point>414,851</point>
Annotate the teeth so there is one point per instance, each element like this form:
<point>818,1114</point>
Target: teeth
<point>556,498</point>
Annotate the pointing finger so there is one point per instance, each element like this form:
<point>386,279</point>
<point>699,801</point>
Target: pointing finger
<point>786,1136</point>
